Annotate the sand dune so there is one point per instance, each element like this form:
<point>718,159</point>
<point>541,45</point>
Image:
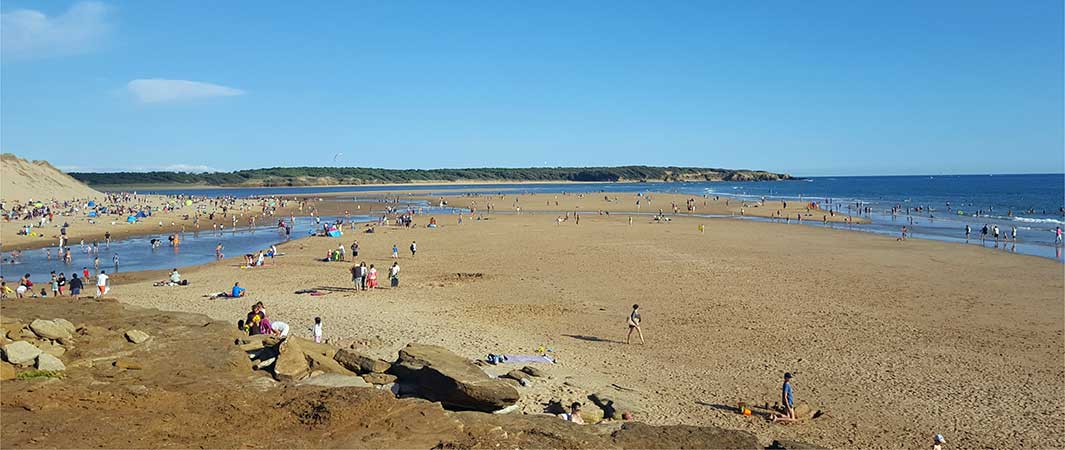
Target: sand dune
<point>23,180</point>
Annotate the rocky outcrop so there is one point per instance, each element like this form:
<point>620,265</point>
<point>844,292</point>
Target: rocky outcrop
<point>333,380</point>
<point>291,363</point>
<point>440,375</point>
<point>379,378</point>
<point>359,363</point>
<point>640,435</point>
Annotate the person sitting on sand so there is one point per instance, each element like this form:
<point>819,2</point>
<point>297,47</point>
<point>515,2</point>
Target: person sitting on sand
<point>787,400</point>
<point>634,324</point>
<point>574,414</point>
<point>173,280</point>
<point>254,319</point>
<point>237,290</point>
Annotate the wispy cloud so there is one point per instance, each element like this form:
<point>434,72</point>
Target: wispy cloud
<point>193,168</point>
<point>158,90</point>
<point>29,34</point>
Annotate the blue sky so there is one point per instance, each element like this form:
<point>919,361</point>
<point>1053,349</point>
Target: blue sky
<point>809,88</point>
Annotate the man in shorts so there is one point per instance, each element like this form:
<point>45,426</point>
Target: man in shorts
<point>101,283</point>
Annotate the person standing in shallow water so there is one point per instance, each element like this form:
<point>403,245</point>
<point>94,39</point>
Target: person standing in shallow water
<point>634,324</point>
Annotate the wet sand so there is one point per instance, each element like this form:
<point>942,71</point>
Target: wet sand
<point>648,203</point>
<point>894,340</point>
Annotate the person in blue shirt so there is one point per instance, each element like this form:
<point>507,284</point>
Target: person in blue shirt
<point>787,400</point>
<point>237,290</point>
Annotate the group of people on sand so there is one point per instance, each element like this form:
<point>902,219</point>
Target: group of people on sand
<point>58,284</point>
<point>254,260</point>
<point>174,279</point>
<point>258,322</point>
<point>366,278</point>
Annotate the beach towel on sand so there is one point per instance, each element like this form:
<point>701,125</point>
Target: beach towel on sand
<point>515,359</point>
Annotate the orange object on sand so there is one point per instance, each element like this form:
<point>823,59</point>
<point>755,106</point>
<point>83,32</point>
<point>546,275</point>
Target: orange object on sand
<point>746,411</point>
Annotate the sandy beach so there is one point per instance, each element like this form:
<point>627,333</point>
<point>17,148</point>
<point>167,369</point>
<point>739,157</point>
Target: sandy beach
<point>893,341</point>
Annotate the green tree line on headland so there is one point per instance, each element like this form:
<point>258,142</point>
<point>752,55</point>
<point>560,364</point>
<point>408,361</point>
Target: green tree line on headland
<point>318,176</point>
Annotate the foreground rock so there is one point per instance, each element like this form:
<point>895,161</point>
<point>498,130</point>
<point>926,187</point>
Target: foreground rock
<point>359,363</point>
<point>21,353</point>
<point>50,363</point>
<point>440,375</point>
<point>291,363</point>
<point>335,380</point>
<point>48,329</point>
<point>7,371</point>
<point>137,336</point>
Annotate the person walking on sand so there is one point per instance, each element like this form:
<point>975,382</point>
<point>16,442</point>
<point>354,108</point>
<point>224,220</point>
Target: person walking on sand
<point>354,251</point>
<point>371,278</point>
<point>101,283</point>
<point>413,248</point>
<point>395,251</point>
<point>634,324</point>
<point>968,230</point>
<point>393,275</point>
<point>787,401</point>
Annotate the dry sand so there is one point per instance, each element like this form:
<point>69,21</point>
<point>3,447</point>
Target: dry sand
<point>894,340</point>
<point>23,180</point>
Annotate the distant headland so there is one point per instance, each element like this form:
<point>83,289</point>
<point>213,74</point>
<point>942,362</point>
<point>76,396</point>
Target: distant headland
<point>324,176</point>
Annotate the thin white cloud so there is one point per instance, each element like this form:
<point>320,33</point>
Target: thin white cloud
<point>192,168</point>
<point>158,90</point>
<point>29,34</point>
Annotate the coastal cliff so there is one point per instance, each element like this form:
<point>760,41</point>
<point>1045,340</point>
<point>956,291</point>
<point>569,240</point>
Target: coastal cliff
<point>325,176</point>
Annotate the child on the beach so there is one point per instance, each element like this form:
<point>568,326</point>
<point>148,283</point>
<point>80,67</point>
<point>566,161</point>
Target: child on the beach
<point>316,330</point>
<point>787,400</point>
<point>634,324</point>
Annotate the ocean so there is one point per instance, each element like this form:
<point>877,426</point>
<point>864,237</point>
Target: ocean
<point>932,207</point>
